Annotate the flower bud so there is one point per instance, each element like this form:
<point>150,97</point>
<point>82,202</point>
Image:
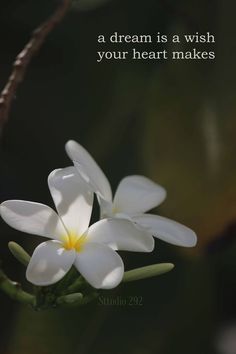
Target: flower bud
<point>147,272</point>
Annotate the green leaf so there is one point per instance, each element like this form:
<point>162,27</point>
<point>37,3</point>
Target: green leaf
<point>147,272</point>
<point>19,253</point>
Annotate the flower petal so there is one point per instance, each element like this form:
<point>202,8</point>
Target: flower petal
<point>49,263</point>
<point>138,194</point>
<point>33,218</point>
<point>72,198</point>
<point>89,169</point>
<point>102,267</point>
<point>121,234</point>
<point>167,230</point>
<point>105,208</point>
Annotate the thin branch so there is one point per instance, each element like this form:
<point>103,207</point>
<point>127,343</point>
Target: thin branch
<point>23,59</point>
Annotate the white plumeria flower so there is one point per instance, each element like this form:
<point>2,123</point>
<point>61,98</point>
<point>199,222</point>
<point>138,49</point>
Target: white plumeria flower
<point>90,249</point>
<point>134,196</point>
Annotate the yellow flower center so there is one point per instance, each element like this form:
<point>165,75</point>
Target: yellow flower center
<point>114,210</point>
<point>73,241</point>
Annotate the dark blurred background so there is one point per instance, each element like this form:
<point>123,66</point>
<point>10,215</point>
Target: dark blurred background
<point>171,121</point>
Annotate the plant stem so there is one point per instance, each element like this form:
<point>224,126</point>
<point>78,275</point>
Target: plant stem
<point>14,290</point>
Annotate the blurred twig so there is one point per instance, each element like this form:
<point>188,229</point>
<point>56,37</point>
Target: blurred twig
<point>23,59</point>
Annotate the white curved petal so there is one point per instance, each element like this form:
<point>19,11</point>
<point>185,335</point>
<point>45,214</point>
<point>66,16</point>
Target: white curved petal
<point>105,208</point>
<point>89,169</point>
<point>121,234</point>
<point>72,198</point>
<point>137,194</point>
<point>167,230</point>
<point>100,266</point>
<point>33,218</point>
<point>49,263</point>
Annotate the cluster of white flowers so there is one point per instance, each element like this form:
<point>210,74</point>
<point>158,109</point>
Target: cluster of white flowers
<point>92,249</point>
